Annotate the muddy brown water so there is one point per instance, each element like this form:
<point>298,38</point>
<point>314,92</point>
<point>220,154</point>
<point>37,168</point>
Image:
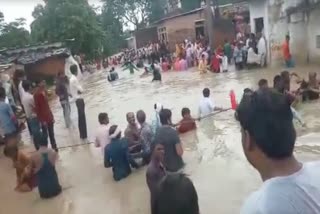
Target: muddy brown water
<point>213,154</point>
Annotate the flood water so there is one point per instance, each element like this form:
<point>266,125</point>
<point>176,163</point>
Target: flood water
<point>213,154</point>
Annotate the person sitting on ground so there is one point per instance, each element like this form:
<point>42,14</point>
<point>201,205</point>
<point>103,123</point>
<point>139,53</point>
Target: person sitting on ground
<point>113,75</point>
<point>206,105</point>
<point>156,73</point>
<point>176,194</point>
<point>102,135</point>
<point>268,140</point>
<point>155,172</point>
<point>263,83</point>
<point>169,137</point>
<point>44,161</point>
<point>187,123</point>
<point>116,155</point>
<point>146,135</point>
<point>26,180</point>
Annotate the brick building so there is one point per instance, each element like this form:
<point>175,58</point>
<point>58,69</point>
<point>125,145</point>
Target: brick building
<point>192,25</point>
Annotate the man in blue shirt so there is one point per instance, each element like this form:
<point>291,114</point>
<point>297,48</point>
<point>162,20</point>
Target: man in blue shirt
<point>8,121</point>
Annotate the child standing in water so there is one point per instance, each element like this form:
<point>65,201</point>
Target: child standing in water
<point>203,64</point>
<point>44,167</point>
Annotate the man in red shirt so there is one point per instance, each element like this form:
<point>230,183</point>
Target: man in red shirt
<point>44,113</point>
<point>286,53</point>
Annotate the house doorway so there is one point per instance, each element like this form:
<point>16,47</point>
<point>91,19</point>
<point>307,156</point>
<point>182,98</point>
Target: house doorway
<point>199,28</point>
<point>259,25</point>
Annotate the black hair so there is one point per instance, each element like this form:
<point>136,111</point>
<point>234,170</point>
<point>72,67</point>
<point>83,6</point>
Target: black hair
<point>262,82</point>
<point>102,117</point>
<point>185,111</point>
<point>152,66</point>
<point>287,36</point>
<point>26,85</point>
<point>276,80</point>
<point>267,116</point>
<point>113,129</point>
<point>165,116</point>
<point>176,195</point>
<point>141,116</point>
<point>247,90</point>
<point>74,69</point>
<point>2,93</point>
<point>206,92</point>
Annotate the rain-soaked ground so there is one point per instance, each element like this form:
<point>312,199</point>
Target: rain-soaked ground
<point>213,153</point>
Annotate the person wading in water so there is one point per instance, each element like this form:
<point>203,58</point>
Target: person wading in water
<point>44,167</point>
<point>75,90</point>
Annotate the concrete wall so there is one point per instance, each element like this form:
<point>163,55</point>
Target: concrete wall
<point>260,9</point>
<point>313,32</point>
<point>302,27</point>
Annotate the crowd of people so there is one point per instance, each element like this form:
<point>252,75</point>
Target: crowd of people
<point>266,119</point>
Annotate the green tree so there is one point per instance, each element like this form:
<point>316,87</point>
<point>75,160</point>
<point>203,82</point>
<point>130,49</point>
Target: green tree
<point>69,20</point>
<point>112,26</point>
<point>130,12</point>
<point>155,10</point>
<point>13,34</point>
<point>188,5</point>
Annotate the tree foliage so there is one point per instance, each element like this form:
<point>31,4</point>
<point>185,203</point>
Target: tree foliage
<point>13,34</point>
<point>112,26</point>
<point>69,20</point>
<point>188,5</point>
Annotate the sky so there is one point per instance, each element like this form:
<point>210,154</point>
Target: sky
<point>13,9</point>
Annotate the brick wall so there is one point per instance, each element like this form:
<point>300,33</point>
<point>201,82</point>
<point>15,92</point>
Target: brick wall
<point>146,35</point>
<point>183,27</point>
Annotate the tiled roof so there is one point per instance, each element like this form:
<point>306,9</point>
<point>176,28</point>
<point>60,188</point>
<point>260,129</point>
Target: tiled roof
<point>33,54</point>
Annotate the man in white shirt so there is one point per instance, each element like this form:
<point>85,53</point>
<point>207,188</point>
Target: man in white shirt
<point>75,91</point>
<point>268,139</point>
<point>102,135</point>
<point>206,105</point>
<point>29,108</point>
<point>262,49</point>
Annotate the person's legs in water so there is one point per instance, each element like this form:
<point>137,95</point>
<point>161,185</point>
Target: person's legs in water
<point>50,129</point>
<point>66,113</point>
<point>82,122</point>
<point>35,129</point>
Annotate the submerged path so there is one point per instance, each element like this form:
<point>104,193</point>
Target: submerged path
<point>213,153</point>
